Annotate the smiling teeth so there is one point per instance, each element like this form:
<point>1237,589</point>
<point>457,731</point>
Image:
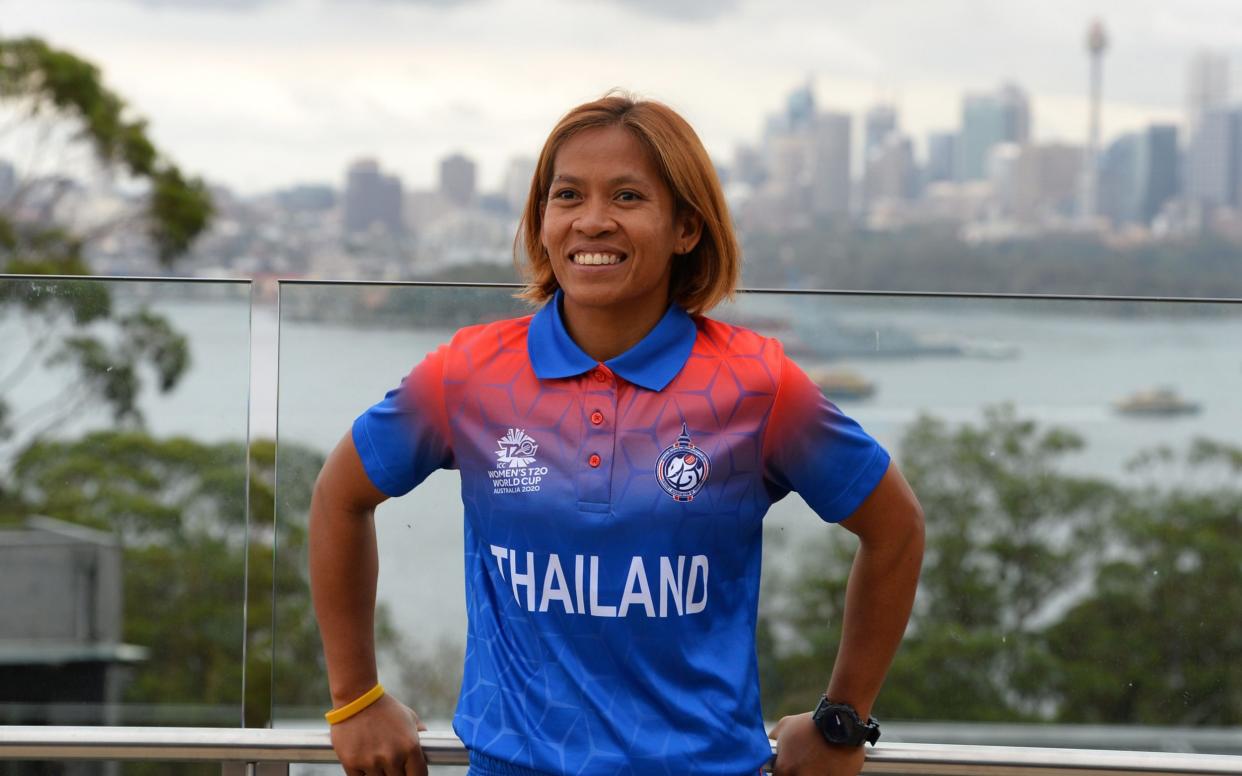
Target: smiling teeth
<point>596,258</point>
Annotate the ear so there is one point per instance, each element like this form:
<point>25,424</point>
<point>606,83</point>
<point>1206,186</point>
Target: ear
<point>689,230</point>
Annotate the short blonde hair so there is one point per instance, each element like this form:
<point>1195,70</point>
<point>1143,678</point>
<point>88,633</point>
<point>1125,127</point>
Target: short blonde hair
<point>701,278</point>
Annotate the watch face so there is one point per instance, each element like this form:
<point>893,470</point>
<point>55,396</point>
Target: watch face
<point>836,726</point>
<point>837,723</point>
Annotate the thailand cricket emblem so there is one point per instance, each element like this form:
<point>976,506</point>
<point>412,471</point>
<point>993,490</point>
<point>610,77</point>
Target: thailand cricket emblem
<point>682,468</point>
<point>517,449</point>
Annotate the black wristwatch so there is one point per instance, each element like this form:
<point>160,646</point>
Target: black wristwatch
<point>840,724</point>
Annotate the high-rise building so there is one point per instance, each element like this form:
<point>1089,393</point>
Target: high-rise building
<point>830,173</point>
<point>891,173</point>
<point>1035,183</point>
<point>1160,169</point>
<point>371,197</point>
<point>1120,191</point>
<point>457,175</point>
<point>800,107</point>
<point>941,148</point>
<point>1214,159</point>
<point>1003,116</point>
<point>1139,174</point>
<point>1207,86</point>
<point>518,176</point>
<point>878,123</point>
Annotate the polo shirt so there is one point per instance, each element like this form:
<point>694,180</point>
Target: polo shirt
<point>613,530</point>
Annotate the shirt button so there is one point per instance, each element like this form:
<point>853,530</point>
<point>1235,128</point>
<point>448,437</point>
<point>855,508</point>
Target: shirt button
<point>600,376</point>
<point>594,461</point>
<point>597,417</point>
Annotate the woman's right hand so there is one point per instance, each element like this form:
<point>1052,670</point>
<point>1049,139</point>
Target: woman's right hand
<point>381,740</point>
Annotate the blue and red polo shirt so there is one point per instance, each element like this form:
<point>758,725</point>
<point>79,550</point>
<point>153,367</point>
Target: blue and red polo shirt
<point>613,530</point>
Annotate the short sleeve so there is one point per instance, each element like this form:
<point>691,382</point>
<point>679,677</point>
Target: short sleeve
<point>814,449</point>
<point>405,437</point>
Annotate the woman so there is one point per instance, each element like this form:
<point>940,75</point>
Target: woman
<point>617,453</point>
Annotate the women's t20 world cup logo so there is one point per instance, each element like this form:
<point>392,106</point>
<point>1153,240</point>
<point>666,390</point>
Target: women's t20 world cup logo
<point>682,468</point>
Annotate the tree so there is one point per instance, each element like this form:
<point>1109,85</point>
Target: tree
<point>1007,530</point>
<point>1170,585</point>
<point>61,109</point>
<point>1045,596</point>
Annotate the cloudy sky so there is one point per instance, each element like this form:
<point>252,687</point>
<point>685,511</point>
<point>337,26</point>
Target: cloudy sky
<point>262,93</point>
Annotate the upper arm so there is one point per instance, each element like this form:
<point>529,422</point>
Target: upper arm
<point>891,514</point>
<point>810,446</point>
<point>344,483</point>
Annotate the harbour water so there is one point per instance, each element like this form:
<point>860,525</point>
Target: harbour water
<point>1058,363</point>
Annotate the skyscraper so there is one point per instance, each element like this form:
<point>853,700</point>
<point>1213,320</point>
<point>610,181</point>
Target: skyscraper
<point>940,157</point>
<point>1207,86</point>
<point>891,172</point>
<point>830,174</point>
<point>517,181</point>
<point>878,123</point>
<point>1003,116</point>
<point>1214,177</point>
<point>457,174</point>
<point>372,197</point>
<point>800,107</point>
<point>1160,169</point>
<point>1138,175</point>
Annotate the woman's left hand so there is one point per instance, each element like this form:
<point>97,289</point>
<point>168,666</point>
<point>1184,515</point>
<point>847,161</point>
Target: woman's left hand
<point>802,751</point>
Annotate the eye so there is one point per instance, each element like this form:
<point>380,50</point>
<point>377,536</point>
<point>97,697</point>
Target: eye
<point>629,196</point>
<point>564,194</point>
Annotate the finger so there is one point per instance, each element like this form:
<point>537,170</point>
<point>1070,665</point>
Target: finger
<point>775,732</point>
<point>415,765</point>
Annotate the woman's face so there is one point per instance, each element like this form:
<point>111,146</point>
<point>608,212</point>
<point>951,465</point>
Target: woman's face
<point>610,225</point>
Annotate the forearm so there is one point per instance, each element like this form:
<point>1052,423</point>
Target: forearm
<point>878,600</point>
<point>343,569</point>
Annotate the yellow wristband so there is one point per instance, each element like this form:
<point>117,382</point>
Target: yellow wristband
<point>356,705</point>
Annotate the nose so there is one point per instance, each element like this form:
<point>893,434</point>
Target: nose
<point>594,218</point>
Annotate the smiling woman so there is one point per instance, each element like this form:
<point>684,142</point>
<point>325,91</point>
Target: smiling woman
<point>618,452</point>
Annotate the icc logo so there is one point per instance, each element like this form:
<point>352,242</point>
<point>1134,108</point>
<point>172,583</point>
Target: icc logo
<point>682,468</point>
<point>517,449</point>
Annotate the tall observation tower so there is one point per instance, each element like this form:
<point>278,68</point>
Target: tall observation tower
<point>1089,190</point>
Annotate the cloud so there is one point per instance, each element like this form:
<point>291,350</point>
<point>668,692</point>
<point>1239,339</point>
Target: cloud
<point>250,5</point>
<point>212,5</point>
<point>682,10</point>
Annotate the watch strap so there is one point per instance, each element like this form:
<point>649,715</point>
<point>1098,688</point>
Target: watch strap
<point>862,732</point>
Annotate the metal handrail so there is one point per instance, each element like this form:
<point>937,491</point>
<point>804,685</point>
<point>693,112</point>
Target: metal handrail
<point>443,748</point>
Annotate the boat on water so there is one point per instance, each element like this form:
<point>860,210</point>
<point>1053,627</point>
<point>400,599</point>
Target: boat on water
<point>842,384</point>
<point>1162,401</point>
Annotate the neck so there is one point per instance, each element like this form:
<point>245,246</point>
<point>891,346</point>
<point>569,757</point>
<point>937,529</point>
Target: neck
<point>606,332</point>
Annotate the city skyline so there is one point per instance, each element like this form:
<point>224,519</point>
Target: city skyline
<point>261,94</point>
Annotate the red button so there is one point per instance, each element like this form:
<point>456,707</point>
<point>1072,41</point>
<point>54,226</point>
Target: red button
<point>600,376</point>
<point>597,417</point>
<point>594,461</point>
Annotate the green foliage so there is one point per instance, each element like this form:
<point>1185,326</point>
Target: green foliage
<point>1174,593</point>
<point>179,509</point>
<point>1044,595</point>
<point>193,562</point>
<point>44,82</point>
<point>73,322</point>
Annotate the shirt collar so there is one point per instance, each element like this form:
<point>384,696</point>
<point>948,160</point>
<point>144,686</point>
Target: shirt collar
<point>652,363</point>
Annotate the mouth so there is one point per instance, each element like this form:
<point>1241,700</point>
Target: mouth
<point>590,258</point>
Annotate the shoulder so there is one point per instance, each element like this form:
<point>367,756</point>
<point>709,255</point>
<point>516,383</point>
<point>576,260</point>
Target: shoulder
<point>717,339</point>
<point>488,339</point>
